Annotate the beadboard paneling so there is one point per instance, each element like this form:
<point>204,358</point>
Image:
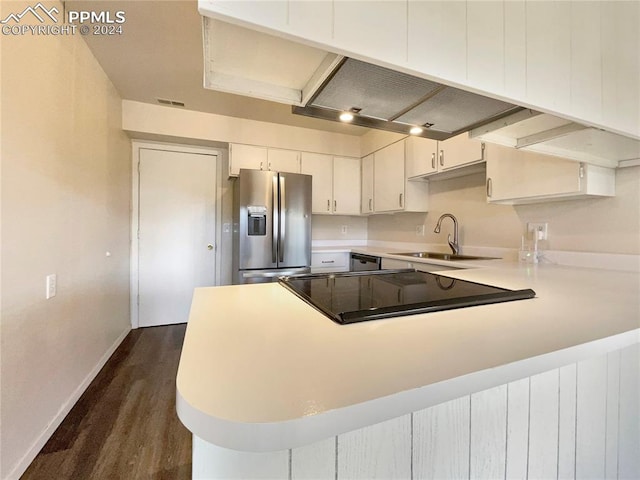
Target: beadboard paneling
<point>543,426</point>
<point>517,429</point>
<point>629,428</point>
<point>488,433</point>
<point>441,440</point>
<point>380,451</point>
<point>315,461</point>
<point>567,423</point>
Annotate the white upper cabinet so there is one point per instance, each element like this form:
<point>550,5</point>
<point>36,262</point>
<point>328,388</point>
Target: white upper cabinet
<point>427,157</point>
<point>268,13</point>
<point>458,151</point>
<point>518,177</point>
<point>485,44</point>
<point>376,28</point>
<point>320,167</point>
<point>336,183</point>
<point>548,30</point>
<point>346,186</point>
<point>437,38</point>
<point>262,158</point>
<point>389,178</point>
<point>283,160</point>
<point>366,198</point>
<point>575,59</point>
<point>422,156</point>
<point>620,69</point>
<point>246,156</point>
<point>392,190</point>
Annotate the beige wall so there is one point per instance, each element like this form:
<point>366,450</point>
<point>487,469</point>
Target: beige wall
<point>606,225</point>
<point>329,227</point>
<point>65,202</point>
<point>187,126</point>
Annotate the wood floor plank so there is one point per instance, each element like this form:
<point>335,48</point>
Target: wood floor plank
<point>125,424</point>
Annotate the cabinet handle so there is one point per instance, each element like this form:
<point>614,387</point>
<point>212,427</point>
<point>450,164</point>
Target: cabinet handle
<point>328,205</point>
<point>489,187</point>
<point>400,199</point>
<point>370,206</point>
<point>335,205</point>
<point>269,166</point>
<point>433,160</point>
<point>442,158</point>
<point>328,261</point>
<point>260,165</point>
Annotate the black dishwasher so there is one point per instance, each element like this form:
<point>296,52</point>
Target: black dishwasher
<point>361,263</point>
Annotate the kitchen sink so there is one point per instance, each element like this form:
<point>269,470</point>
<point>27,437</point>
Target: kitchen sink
<point>443,256</point>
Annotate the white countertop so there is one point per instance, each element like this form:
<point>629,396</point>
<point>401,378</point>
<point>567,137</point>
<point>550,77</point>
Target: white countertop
<point>262,371</point>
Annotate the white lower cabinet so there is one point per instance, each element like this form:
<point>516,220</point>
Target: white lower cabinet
<point>328,262</point>
<point>519,177</point>
<point>336,183</point>
<point>578,421</point>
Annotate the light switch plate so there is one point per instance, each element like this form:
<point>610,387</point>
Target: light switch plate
<point>52,286</point>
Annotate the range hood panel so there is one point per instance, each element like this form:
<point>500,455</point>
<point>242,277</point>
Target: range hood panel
<point>379,92</point>
<point>395,101</point>
<point>454,110</point>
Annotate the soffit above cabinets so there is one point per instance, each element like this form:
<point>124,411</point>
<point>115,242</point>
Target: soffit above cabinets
<point>246,62</point>
<point>551,135</point>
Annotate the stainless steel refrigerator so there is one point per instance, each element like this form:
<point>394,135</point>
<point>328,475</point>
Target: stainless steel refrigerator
<point>272,225</point>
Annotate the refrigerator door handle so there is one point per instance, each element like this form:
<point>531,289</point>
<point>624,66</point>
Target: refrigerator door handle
<point>275,218</point>
<point>282,207</point>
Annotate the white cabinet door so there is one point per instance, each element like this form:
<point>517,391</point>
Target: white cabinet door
<point>246,156</point>
<point>320,167</point>
<point>441,23</point>
<point>372,27</point>
<point>526,177</point>
<point>346,186</point>
<point>366,197</point>
<point>389,178</point>
<point>283,160</point>
<point>458,151</point>
<point>549,54</point>
<point>422,156</point>
<point>393,264</point>
<point>485,45</point>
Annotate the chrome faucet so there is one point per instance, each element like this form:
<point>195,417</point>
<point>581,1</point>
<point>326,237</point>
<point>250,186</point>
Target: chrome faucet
<point>454,245</point>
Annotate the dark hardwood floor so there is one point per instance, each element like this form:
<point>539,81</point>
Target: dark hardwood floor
<point>125,425</point>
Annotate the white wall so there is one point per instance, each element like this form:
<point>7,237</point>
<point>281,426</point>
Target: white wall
<point>65,203</point>
<point>329,227</point>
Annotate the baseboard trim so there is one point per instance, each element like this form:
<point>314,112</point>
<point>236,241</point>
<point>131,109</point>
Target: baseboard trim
<point>19,469</point>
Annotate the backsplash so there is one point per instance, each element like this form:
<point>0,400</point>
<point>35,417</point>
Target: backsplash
<point>606,225</point>
<point>338,227</point>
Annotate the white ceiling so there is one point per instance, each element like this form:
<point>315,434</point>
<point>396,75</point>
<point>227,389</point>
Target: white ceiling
<point>160,55</point>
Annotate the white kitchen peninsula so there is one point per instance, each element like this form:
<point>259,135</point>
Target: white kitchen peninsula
<point>271,388</point>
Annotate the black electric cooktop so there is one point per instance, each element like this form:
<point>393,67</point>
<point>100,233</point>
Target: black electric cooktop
<point>361,296</point>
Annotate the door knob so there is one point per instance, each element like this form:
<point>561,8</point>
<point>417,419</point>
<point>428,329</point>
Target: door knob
<point>209,247</point>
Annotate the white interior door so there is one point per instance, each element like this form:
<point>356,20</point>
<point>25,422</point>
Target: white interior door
<point>177,231</point>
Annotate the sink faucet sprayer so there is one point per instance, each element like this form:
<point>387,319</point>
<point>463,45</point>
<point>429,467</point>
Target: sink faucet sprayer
<point>454,245</point>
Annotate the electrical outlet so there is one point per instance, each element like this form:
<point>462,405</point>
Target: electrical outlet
<point>344,229</point>
<point>538,230</point>
<point>52,286</point>
<point>420,230</point>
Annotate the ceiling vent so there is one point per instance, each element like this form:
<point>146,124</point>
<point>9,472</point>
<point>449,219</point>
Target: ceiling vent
<point>173,103</point>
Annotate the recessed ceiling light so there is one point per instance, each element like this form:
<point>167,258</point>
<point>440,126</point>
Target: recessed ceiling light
<point>415,131</point>
<point>346,117</point>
